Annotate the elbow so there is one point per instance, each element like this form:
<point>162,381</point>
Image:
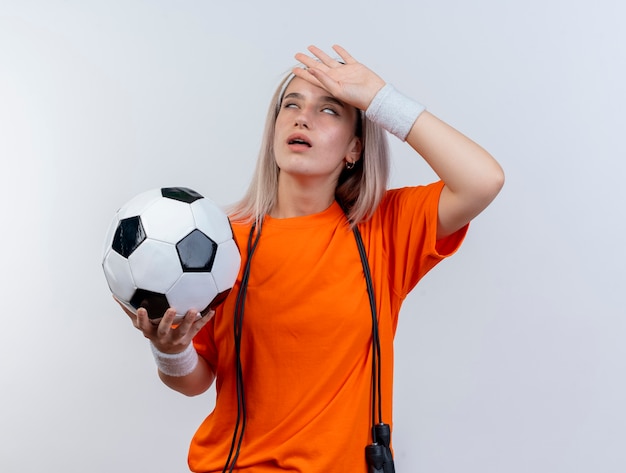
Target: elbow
<point>492,183</point>
<point>193,393</point>
<point>497,181</point>
<point>485,190</point>
<point>188,391</point>
<point>191,385</point>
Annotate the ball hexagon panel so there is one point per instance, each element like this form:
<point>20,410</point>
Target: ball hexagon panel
<point>196,252</point>
<point>119,276</point>
<point>192,291</point>
<point>211,220</point>
<point>155,266</point>
<point>226,265</point>
<point>168,220</point>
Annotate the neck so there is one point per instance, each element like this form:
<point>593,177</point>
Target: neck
<point>297,200</point>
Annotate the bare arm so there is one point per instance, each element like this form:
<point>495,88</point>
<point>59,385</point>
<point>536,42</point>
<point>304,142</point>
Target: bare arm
<point>195,383</point>
<point>472,177</point>
<point>171,338</point>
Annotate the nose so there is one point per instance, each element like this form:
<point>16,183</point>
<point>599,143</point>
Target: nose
<point>301,123</point>
<point>302,119</point>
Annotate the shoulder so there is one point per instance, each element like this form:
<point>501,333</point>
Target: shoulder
<point>413,199</point>
<point>241,231</point>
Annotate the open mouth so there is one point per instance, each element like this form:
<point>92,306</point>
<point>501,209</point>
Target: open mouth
<point>298,140</point>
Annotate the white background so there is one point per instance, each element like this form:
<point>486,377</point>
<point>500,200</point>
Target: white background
<point>510,356</point>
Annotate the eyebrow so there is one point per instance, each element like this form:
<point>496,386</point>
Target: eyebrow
<point>326,98</point>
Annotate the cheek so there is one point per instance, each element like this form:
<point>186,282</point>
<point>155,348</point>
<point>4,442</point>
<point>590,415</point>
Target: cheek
<point>340,140</point>
<point>284,118</point>
<point>280,128</point>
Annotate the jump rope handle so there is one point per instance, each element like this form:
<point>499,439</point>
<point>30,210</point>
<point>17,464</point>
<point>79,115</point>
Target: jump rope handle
<point>378,455</point>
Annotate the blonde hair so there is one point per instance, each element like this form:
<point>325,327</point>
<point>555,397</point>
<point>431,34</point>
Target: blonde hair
<point>359,190</point>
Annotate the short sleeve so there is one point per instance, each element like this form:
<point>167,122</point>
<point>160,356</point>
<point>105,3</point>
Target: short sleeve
<point>409,219</point>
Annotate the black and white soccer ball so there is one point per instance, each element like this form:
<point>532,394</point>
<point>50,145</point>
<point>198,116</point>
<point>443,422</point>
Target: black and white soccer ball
<point>170,247</point>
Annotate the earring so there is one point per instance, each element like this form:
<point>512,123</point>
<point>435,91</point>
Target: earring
<point>349,165</point>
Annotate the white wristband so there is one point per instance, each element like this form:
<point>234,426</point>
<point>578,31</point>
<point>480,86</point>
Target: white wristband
<point>394,111</point>
<point>176,364</point>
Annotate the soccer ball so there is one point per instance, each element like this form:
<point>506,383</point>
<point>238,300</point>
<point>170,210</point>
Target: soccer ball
<point>170,247</point>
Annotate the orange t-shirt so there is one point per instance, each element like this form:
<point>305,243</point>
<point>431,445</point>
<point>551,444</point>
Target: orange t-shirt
<point>306,337</point>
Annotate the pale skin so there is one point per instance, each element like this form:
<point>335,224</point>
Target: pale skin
<point>309,172</point>
<point>472,177</point>
<point>170,337</point>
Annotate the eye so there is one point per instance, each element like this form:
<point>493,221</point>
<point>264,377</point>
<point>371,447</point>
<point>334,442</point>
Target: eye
<point>290,105</point>
<point>330,110</point>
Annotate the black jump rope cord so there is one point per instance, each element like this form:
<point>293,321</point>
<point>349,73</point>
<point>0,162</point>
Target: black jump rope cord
<point>238,326</point>
<point>376,357</point>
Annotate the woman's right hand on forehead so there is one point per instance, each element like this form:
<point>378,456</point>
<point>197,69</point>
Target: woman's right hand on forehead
<point>351,82</point>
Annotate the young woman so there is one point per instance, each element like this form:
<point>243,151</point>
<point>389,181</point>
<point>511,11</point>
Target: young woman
<point>302,371</point>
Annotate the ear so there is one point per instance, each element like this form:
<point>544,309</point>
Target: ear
<point>356,148</point>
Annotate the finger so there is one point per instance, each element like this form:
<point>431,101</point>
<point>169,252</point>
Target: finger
<point>306,75</point>
<point>143,322</point>
<point>308,61</point>
<point>190,317</point>
<point>345,55</point>
<point>205,318</point>
<point>209,315</point>
<point>325,58</point>
<point>323,80</point>
<point>166,322</point>
<point>198,324</point>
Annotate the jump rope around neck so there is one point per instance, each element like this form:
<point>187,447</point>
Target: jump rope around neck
<point>377,454</point>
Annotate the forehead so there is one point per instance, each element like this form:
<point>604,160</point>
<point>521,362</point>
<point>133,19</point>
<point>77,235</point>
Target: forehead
<point>308,90</point>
